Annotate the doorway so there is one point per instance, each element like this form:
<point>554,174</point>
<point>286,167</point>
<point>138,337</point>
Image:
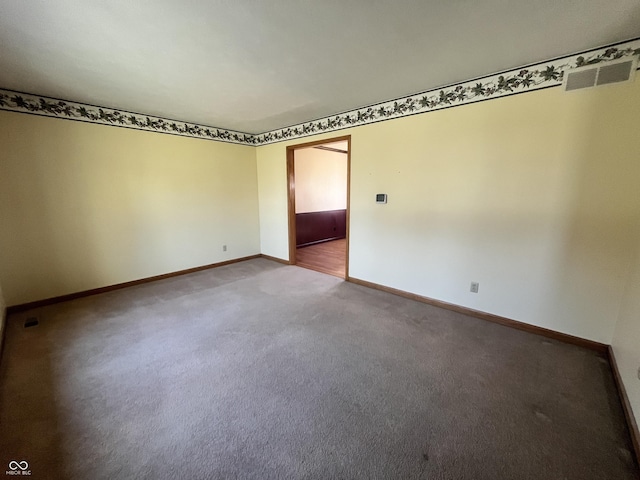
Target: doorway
<point>318,202</point>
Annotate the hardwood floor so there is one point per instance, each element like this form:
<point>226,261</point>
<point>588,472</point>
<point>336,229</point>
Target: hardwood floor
<point>327,257</point>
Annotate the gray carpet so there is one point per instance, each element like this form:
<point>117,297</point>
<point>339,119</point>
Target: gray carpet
<point>259,370</point>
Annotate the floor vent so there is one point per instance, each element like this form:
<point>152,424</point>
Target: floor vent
<point>31,322</point>
<point>616,71</point>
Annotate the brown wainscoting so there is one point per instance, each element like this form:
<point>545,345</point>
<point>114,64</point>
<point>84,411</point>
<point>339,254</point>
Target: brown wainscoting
<point>316,227</point>
<point>275,259</point>
<point>545,332</point>
<point>626,405</point>
<point>95,291</point>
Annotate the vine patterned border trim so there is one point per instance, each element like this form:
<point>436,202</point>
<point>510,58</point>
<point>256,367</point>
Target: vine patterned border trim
<point>50,107</point>
<point>525,79</point>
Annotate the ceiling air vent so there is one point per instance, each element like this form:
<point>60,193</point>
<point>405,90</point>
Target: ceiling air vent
<point>617,71</point>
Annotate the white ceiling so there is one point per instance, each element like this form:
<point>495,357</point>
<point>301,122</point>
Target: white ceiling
<point>257,66</point>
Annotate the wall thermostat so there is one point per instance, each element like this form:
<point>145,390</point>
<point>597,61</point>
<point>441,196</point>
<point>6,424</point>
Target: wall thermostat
<point>381,198</point>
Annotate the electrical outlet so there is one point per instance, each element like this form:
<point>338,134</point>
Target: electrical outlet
<point>474,287</point>
<point>224,248</point>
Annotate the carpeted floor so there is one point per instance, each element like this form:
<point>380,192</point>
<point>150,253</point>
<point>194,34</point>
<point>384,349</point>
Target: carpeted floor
<point>259,371</point>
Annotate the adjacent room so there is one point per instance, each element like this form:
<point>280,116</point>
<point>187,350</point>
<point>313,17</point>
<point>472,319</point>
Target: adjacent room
<point>319,176</point>
<point>320,240</point>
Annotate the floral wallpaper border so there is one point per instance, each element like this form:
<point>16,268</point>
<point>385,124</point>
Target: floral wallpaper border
<point>533,77</point>
<point>50,107</point>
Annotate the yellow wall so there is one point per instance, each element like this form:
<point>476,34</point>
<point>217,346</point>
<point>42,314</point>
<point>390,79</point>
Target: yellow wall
<point>85,206</point>
<point>272,195</point>
<point>533,195</point>
<point>321,180</point>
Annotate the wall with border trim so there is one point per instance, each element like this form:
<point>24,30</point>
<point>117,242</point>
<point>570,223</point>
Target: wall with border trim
<point>526,78</point>
<point>534,196</point>
<point>84,206</point>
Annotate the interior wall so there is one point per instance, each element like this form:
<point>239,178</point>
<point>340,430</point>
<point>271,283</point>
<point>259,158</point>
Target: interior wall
<point>533,196</point>
<point>321,180</point>
<point>626,339</point>
<point>273,201</point>
<point>84,206</point>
